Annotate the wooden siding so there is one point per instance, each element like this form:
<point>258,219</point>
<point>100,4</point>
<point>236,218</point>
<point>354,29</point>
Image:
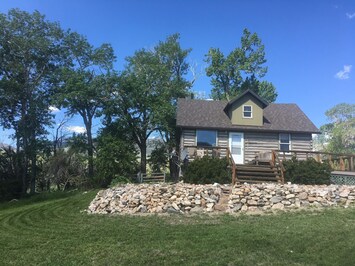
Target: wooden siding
<point>301,142</point>
<point>223,141</point>
<point>189,137</point>
<point>259,142</point>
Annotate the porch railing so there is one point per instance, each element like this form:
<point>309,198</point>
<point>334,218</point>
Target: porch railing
<point>338,161</point>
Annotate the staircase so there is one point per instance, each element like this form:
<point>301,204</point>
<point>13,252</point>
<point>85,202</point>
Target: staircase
<point>262,173</point>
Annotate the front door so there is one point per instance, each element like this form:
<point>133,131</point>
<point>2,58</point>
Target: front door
<point>236,146</point>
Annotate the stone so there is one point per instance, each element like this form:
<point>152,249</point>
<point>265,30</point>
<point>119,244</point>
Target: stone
<point>196,209</point>
<point>237,207</point>
<point>252,202</point>
<point>278,206</point>
<point>172,210</point>
<point>303,196</point>
<point>186,203</point>
<point>276,199</point>
<point>290,196</point>
<point>173,197</point>
<point>174,205</point>
<point>344,193</point>
<point>210,205</point>
<point>244,208</point>
<point>312,199</point>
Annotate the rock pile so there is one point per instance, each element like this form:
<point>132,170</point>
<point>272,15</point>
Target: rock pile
<point>188,198</point>
<point>291,196</point>
<point>156,198</point>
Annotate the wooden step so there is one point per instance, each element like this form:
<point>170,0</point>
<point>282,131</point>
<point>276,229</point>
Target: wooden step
<point>256,181</point>
<point>273,172</point>
<point>259,170</point>
<point>269,178</point>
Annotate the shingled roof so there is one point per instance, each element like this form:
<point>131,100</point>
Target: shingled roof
<point>211,115</point>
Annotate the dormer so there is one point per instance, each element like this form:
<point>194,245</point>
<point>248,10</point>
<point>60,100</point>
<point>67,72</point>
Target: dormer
<point>246,109</point>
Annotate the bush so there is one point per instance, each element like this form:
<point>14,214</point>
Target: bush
<point>207,170</point>
<point>308,172</point>
<point>10,189</point>
<point>115,158</point>
<point>119,180</point>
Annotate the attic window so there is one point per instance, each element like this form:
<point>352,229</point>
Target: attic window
<point>247,111</point>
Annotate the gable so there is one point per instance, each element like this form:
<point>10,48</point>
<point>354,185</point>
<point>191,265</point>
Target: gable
<point>246,111</point>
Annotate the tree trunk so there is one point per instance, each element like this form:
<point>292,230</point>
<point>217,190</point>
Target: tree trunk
<point>33,163</point>
<point>90,148</point>
<point>143,148</point>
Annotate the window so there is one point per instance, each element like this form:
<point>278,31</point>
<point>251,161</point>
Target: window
<point>206,138</point>
<point>247,111</point>
<point>285,142</point>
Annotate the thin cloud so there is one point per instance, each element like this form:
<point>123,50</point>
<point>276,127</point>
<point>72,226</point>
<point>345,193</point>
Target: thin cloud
<point>76,129</point>
<point>350,16</point>
<point>53,109</point>
<point>344,74</point>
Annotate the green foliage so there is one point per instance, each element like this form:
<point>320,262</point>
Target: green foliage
<point>32,55</point>
<point>66,170</point>
<point>158,158</point>
<point>116,155</point>
<point>207,170</point>
<point>120,180</point>
<point>233,74</point>
<point>143,98</point>
<point>308,172</point>
<point>86,83</point>
<point>339,135</point>
<point>10,189</point>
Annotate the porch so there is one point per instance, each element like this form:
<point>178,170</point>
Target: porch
<point>268,166</point>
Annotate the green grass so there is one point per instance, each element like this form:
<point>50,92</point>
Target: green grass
<point>51,230</point>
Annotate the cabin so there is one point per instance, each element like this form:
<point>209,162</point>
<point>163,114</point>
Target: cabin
<point>247,127</point>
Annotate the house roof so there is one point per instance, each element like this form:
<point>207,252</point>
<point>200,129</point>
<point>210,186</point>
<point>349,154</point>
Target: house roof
<point>257,97</point>
<point>211,115</point>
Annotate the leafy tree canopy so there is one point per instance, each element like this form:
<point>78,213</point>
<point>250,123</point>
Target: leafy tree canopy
<point>339,134</point>
<point>31,57</point>
<point>238,71</point>
<point>144,95</point>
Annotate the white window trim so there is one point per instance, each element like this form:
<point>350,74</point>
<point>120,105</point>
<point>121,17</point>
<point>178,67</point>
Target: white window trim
<point>289,143</point>
<point>251,111</point>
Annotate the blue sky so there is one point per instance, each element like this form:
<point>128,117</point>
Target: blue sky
<point>310,45</point>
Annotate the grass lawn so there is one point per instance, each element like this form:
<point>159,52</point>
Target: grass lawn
<point>50,230</point>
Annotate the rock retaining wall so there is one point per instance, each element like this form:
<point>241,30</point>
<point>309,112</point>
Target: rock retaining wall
<point>156,198</point>
<point>188,198</point>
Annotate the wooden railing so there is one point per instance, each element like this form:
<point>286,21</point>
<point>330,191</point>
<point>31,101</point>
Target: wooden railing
<point>276,162</point>
<point>338,161</point>
<point>151,178</point>
<point>194,152</point>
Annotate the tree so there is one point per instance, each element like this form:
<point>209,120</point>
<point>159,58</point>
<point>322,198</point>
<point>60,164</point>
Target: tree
<point>339,134</point>
<point>233,74</point>
<point>145,94</point>
<point>31,54</point>
<point>85,83</point>
<point>116,154</point>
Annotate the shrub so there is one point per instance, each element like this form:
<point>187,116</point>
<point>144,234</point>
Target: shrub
<point>119,180</point>
<point>10,189</point>
<point>207,170</point>
<point>308,172</point>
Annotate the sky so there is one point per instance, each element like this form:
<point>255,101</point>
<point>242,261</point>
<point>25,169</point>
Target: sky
<point>309,45</point>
